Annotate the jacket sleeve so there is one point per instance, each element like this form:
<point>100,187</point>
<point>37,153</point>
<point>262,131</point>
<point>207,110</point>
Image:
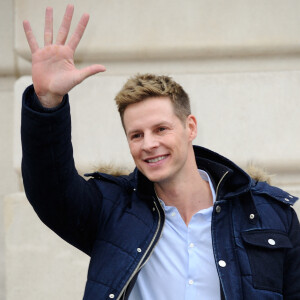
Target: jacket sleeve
<point>63,200</point>
<point>291,288</point>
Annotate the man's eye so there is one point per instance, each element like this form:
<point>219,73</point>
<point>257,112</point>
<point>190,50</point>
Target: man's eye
<point>135,136</point>
<point>162,128</point>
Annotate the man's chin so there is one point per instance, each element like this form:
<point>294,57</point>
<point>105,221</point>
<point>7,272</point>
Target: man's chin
<point>156,178</point>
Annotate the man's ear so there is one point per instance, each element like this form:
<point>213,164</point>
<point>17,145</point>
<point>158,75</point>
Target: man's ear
<point>191,124</point>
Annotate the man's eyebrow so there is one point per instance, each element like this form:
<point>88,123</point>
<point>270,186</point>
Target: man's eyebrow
<point>161,123</point>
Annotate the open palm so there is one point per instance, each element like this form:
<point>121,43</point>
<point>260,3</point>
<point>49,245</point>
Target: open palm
<point>53,71</point>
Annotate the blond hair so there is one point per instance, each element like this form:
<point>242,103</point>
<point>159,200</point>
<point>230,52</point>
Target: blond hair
<point>143,86</point>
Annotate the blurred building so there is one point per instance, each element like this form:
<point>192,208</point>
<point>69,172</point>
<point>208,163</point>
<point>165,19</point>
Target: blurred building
<point>238,60</point>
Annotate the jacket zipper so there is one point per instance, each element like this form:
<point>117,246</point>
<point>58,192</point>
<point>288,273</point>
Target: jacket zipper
<point>156,235</point>
<point>141,260</point>
<point>220,183</point>
<point>124,294</point>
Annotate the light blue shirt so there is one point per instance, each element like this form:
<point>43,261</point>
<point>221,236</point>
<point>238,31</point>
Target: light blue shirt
<point>182,265</point>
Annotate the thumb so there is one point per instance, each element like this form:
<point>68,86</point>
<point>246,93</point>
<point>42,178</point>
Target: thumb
<point>89,71</point>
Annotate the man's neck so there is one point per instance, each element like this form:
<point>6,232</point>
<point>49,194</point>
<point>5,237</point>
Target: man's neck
<point>188,195</point>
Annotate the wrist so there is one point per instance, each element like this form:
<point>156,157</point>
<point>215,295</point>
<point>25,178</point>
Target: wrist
<point>49,100</point>
<point>36,105</point>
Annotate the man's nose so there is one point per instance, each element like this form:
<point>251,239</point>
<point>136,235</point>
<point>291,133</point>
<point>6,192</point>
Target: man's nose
<point>150,142</point>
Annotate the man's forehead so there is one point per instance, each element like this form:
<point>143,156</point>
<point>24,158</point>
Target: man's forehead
<point>150,112</point>
<point>149,104</point>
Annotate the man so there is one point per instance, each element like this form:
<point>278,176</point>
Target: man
<point>186,224</point>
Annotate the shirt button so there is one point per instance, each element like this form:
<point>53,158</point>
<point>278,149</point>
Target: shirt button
<point>111,296</point>
<point>191,245</point>
<point>291,196</point>
<point>218,208</point>
<point>173,214</point>
<point>252,216</point>
<point>271,242</point>
<point>286,199</point>
<point>139,250</point>
<point>222,263</point>
<point>191,281</point>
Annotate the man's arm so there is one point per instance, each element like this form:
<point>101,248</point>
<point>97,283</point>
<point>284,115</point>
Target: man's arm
<point>63,200</point>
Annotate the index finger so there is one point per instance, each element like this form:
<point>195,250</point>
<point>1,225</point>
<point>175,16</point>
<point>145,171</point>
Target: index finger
<point>30,37</point>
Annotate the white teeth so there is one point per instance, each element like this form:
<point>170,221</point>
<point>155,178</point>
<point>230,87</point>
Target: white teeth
<point>156,159</point>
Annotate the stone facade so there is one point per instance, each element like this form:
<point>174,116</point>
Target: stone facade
<point>238,60</point>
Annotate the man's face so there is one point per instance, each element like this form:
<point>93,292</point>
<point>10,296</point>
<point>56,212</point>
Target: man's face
<point>160,143</point>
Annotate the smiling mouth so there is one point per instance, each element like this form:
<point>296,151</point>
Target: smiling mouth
<point>154,160</point>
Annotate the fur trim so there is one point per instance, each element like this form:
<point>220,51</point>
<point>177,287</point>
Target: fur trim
<point>113,170</point>
<point>258,173</point>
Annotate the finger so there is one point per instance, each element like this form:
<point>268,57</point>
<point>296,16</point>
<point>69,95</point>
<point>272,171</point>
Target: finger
<point>65,25</point>
<point>89,71</point>
<point>30,37</point>
<point>48,33</point>
<point>77,35</point>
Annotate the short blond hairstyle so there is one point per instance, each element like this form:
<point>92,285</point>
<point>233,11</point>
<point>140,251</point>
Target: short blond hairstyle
<point>143,86</point>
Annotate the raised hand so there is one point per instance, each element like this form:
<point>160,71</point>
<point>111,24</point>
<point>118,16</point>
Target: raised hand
<point>53,71</point>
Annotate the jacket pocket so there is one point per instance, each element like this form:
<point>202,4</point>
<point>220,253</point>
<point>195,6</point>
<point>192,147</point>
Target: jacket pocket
<point>266,252</point>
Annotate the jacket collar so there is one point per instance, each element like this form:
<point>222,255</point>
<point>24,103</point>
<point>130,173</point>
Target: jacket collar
<point>236,180</point>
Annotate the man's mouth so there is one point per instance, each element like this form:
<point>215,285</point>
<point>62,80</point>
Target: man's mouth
<point>156,159</point>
